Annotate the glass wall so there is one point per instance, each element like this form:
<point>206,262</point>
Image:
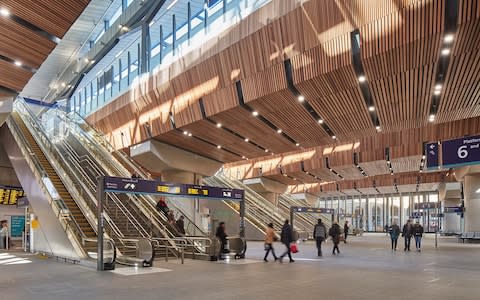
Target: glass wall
<point>373,212</point>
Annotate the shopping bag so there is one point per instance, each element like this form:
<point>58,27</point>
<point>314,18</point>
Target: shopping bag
<point>293,248</point>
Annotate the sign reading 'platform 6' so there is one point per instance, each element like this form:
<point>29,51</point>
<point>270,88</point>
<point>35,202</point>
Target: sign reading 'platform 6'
<point>462,151</point>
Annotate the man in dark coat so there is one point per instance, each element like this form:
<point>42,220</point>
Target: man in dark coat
<point>222,236</point>
<point>335,232</point>
<point>286,237</point>
<point>407,234</point>
<point>181,225</point>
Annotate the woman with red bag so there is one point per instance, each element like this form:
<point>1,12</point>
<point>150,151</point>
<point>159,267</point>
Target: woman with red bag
<point>286,237</point>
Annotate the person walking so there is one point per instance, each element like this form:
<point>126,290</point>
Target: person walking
<point>162,206</point>
<point>417,234</point>
<point>345,231</point>
<point>181,225</point>
<point>407,235</point>
<point>335,232</point>
<point>269,239</point>
<point>320,235</point>
<point>222,236</point>
<point>3,234</point>
<point>286,237</point>
<point>394,231</point>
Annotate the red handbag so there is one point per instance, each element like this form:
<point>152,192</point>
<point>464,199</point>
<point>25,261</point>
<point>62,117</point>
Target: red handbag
<point>293,248</point>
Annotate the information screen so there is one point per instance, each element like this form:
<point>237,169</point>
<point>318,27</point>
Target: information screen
<point>9,195</point>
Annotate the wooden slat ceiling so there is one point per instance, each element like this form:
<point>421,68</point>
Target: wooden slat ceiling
<point>19,43</point>
<point>400,50</point>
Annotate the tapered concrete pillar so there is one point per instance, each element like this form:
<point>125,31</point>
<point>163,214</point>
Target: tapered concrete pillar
<point>471,190</point>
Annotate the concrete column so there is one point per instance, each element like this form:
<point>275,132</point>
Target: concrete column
<point>451,221</point>
<point>472,202</point>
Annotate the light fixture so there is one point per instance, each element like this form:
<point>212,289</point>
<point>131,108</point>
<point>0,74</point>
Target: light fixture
<point>218,146</point>
<point>219,125</point>
<point>445,51</point>
<point>266,150</point>
<point>279,131</point>
<point>378,128</point>
<point>431,118</point>
<point>63,84</point>
<point>391,173</point>
<point>421,170</point>
<point>334,137</point>
<point>189,134</point>
<point>477,191</point>
<point>185,132</point>
<point>301,98</point>
<point>243,157</point>
<point>448,38</point>
<point>320,121</point>
<point>437,92</point>
<point>255,113</point>
<point>18,63</point>
<point>297,144</point>
<point>423,156</point>
<point>361,78</point>
<point>4,12</point>
<point>438,86</point>
<point>371,108</point>
<point>246,140</point>
<point>86,60</point>
<point>285,175</point>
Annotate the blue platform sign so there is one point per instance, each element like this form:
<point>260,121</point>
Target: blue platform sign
<point>462,151</point>
<point>141,186</point>
<point>432,155</point>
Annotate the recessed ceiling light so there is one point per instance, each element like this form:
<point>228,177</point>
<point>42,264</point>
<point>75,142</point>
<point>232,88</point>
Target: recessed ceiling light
<point>4,12</point>
<point>18,63</point>
<point>423,156</point>
<point>361,78</point>
<point>378,128</point>
<point>279,131</point>
<point>246,140</point>
<point>334,137</point>
<point>371,108</point>
<point>243,156</point>
<point>219,146</point>
<point>320,121</point>
<point>431,118</point>
<point>266,150</point>
<point>421,170</point>
<point>391,173</point>
<point>301,98</point>
<point>438,86</point>
<point>185,132</point>
<point>219,125</point>
<point>448,38</point>
<point>255,113</point>
<point>445,51</point>
<point>63,84</point>
<point>297,144</point>
<point>189,134</point>
<point>437,92</point>
<point>285,175</point>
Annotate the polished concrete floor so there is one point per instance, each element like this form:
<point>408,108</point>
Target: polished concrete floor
<point>365,269</point>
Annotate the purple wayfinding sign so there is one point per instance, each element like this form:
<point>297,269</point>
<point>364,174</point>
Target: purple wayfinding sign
<point>431,150</point>
<point>141,186</point>
<point>462,151</point>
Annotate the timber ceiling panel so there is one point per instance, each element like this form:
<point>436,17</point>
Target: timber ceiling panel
<point>351,192</point>
<point>178,139</point>
<point>242,122</point>
<point>349,172</point>
<point>13,77</point>
<point>283,179</point>
<point>53,16</point>
<point>427,187</point>
<point>218,136</point>
<point>407,188</point>
<point>373,168</point>
<point>400,67</point>
<point>406,164</point>
<point>324,174</point>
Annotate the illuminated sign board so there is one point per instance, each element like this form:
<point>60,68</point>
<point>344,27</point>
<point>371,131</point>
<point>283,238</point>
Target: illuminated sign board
<point>9,195</point>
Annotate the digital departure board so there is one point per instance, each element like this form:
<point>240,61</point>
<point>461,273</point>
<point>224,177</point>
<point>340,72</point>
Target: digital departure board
<point>9,195</point>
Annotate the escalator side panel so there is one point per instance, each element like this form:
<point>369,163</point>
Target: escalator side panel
<point>50,237</point>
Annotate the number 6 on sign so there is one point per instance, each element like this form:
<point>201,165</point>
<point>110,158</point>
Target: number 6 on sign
<point>462,152</point>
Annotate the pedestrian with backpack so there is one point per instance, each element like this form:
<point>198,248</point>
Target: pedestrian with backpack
<point>320,235</point>
<point>335,232</point>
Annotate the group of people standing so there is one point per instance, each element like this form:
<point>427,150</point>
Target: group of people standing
<point>178,224</point>
<point>408,231</point>
<point>319,233</point>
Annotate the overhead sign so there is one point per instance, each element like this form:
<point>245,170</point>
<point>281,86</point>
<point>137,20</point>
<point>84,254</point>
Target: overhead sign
<point>10,194</point>
<point>313,210</point>
<point>141,186</point>
<point>454,209</point>
<point>22,202</point>
<point>426,205</point>
<point>462,151</point>
<point>432,155</point>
